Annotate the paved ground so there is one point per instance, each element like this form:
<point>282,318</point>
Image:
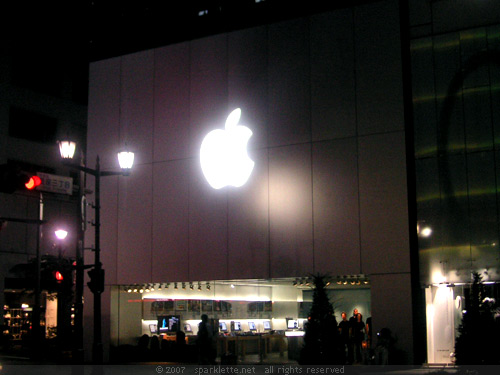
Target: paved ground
<point>274,364</point>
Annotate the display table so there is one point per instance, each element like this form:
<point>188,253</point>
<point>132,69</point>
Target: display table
<point>240,342</point>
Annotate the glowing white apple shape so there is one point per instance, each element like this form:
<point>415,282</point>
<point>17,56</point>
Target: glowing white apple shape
<point>223,154</point>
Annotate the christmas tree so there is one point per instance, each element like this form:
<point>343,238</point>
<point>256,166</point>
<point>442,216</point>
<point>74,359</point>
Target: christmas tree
<point>477,343</point>
<point>321,339</point>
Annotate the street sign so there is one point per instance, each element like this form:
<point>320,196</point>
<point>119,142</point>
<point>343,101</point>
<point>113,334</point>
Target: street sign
<point>55,184</point>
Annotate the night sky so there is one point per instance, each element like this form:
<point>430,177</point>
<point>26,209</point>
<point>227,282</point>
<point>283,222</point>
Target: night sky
<point>99,29</point>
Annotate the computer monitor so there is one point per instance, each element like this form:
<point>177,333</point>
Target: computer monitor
<point>187,327</point>
<point>292,324</point>
<point>168,323</point>
<point>152,328</point>
<point>223,326</point>
<point>267,325</point>
<point>251,326</point>
<point>237,326</point>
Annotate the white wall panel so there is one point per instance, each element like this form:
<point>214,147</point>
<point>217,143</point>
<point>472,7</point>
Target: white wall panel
<point>171,102</point>
<point>290,208</point>
<point>333,99</point>
<point>289,83</point>
<point>170,221</point>
<point>379,88</point>
<point>383,204</point>
<point>336,207</point>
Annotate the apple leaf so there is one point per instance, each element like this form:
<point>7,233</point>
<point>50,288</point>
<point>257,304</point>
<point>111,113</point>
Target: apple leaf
<point>233,118</point>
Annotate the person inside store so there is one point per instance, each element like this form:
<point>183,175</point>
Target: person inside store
<point>369,332</point>
<point>359,337</point>
<point>344,335</point>
<point>205,342</point>
<point>352,328</point>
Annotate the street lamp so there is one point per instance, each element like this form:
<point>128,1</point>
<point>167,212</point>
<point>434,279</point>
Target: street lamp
<point>96,284</point>
<point>61,234</point>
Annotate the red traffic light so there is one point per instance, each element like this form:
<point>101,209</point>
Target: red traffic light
<point>33,182</point>
<point>58,275</point>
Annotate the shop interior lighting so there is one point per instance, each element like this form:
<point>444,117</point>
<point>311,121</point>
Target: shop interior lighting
<point>208,285</point>
<point>199,287</point>
<point>141,290</point>
<point>147,289</point>
<point>175,286</point>
<point>152,287</point>
<point>159,286</point>
<point>183,285</point>
<point>167,285</point>
<point>129,289</point>
<point>191,286</point>
<point>135,289</point>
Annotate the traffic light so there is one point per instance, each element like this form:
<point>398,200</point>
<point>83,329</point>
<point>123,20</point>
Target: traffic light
<point>12,178</point>
<point>58,276</point>
<point>33,182</point>
<point>96,283</point>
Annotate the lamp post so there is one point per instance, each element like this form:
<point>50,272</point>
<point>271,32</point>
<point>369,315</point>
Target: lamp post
<point>63,297</point>
<point>96,284</point>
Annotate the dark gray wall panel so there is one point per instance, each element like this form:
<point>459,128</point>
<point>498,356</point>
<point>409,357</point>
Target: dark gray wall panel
<point>104,113</point>
<point>171,103</point>
<point>248,81</point>
<point>208,88</point>
<point>208,207</point>
<point>463,14</point>
<point>336,207</point>
<point>379,87</point>
<point>289,83</point>
<point>103,138</point>
<point>170,221</point>
<point>383,204</point>
<point>390,297</point>
<point>248,223</point>
<point>333,99</point>
<point>290,208</point>
<point>134,258</point>
<point>136,122</point>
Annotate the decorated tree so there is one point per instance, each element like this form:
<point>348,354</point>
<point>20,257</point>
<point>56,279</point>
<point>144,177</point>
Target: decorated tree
<point>477,343</point>
<point>321,339</point>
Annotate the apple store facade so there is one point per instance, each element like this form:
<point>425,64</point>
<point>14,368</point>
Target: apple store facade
<point>329,189</point>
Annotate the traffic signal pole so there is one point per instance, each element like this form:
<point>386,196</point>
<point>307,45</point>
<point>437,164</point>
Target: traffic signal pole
<point>96,284</point>
<point>38,283</point>
<point>37,308</point>
<point>97,350</point>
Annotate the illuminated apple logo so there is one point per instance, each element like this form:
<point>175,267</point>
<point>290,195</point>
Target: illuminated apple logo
<point>223,155</point>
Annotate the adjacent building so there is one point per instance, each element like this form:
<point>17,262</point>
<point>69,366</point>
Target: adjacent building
<point>374,143</point>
